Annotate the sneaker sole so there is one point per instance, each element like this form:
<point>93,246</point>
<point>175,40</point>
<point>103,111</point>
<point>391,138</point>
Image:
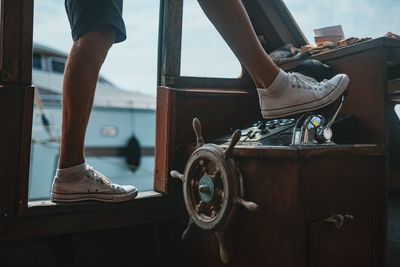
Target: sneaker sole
<point>310,106</point>
<point>59,197</point>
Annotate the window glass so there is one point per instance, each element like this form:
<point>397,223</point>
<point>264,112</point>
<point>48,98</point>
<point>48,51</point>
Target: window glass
<point>37,61</point>
<point>397,110</point>
<point>123,114</point>
<point>204,52</point>
<point>359,18</point>
<point>58,65</point>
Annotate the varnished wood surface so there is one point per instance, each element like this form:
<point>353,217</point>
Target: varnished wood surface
<point>46,219</point>
<point>165,138</point>
<point>294,198</point>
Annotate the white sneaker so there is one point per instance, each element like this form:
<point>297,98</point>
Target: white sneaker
<point>293,93</point>
<point>90,184</point>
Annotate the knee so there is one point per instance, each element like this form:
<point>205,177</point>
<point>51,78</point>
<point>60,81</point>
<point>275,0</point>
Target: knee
<point>93,47</point>
<point>97,41</point>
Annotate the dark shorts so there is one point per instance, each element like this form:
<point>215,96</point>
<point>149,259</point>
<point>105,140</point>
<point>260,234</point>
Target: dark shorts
<point>87,16</point>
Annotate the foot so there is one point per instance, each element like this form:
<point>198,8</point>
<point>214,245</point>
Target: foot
<point>293,93</point>
<point>85,183</point>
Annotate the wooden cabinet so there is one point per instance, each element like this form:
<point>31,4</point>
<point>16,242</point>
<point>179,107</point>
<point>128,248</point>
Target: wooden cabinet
<point>299,188</point>
<point>321,206</point>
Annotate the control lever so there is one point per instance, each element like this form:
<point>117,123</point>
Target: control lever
<point>326,132</point>
<point>313,129</point>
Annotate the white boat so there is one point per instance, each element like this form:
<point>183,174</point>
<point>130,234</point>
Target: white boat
<point>120,137</point>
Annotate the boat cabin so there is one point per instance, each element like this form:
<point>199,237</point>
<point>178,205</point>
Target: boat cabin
<point>268,194</point>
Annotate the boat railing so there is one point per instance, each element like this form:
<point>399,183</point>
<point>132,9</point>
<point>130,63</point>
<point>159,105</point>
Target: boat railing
<point>102,101</point>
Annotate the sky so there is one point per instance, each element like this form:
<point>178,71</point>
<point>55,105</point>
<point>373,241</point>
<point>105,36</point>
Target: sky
<point>132,65</point>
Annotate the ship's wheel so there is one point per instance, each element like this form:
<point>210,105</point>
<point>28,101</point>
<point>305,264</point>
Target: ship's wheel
<point>212,188</point>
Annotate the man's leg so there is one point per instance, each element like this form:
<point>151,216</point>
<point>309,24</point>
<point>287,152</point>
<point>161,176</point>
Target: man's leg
<point>232,22</point>
<point>75,180</point>
<point>81,73</point>
<point>281,94</point>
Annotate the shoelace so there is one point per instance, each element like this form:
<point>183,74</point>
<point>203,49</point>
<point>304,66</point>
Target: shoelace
<point>95,175</point>
<point>299,80</point>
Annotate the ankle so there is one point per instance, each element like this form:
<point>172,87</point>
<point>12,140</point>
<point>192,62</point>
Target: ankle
<point>65,172</point>
<point>265,81</point>
<point>70,159</point>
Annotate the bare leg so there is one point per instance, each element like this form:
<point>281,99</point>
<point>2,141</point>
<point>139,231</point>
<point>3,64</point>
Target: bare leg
<point>274,86</point>
<point>81,73</point>
<point>231,20</point>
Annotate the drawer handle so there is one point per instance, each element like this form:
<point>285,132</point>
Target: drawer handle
<point>338,219</point>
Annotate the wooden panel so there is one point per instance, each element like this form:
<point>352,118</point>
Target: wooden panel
<point>165,137</point>
<point>267,237</point>
<point>356,193</point>
<point>25,75</point>
<point>176,109</point>
<point>17,41</point>
<point>243,82</point>
<point>11,42</point>
<point>291,208</point>
<point>330,246</point>
<point>25,148</point>
<point>11,103</point>
<point>44,219</point>
<point>220,111</point>
<point>367,89</point>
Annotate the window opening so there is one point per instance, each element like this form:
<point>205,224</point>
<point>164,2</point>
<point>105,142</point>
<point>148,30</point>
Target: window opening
<point>124,108</point>
<point>37,61</point>
<point>204,52</point>
<point>57,65</point>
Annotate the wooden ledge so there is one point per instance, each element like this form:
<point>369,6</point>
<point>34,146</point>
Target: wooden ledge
<point>45,218</point>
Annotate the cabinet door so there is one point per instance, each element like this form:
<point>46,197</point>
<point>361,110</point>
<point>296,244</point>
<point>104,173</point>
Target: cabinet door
<point>351,244</point>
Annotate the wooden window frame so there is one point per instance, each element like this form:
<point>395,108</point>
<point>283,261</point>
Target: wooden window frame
<point>20,218</point>
<point>282,29</point>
